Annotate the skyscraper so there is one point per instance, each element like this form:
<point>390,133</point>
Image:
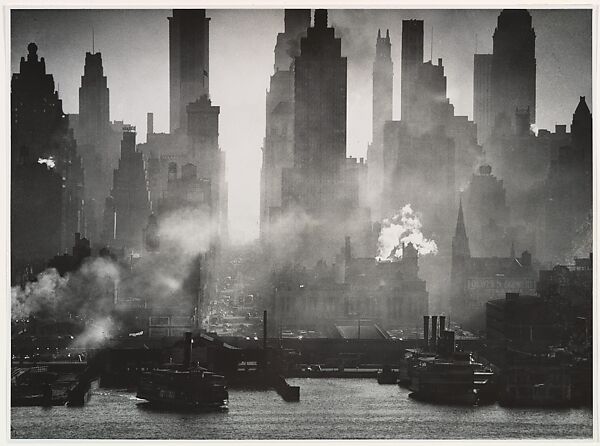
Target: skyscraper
<point>320,102</point>
<point>296,22</point>
<point>96,142</point>
<point>47,176</point>
<point>93,102</point>
<point>188,61</point>
<point>322,186</point>
<point>482,95</point>
<point>383,86</point>
<point>278,147</point>
<point>383,96</point>
<point>412,58</point>
<point>130,194</point>
<point>513,68</point>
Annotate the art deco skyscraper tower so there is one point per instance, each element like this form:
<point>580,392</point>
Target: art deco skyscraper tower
<point>383,96</point>
<point>513,68</point>
<point>188,62</point>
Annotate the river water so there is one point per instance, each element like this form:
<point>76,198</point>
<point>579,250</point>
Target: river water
<point>328,409</point>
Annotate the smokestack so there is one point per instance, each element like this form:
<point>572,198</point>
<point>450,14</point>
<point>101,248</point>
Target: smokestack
<point>265,330</point>
<point>426,332</point>
<point>187,350</point>
<point>150,123</point>
<point>434,333</point>
<point>442,324</point>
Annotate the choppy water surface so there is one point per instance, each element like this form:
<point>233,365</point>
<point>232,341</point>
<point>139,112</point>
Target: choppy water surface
<point>328,409</point>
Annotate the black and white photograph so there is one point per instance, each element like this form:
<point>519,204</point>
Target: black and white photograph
<point>272,223</point>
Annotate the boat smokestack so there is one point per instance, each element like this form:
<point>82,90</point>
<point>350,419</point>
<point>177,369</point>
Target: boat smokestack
<point>265,330</point>
<point>187,350</point>
<point>442,324</point>
<point>425,332</point>
<point>434,333</point>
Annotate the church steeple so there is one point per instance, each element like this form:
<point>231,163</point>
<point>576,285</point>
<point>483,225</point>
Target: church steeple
<point>460,241</point>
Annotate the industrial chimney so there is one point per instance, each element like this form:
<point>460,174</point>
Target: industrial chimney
<point>442,324</point>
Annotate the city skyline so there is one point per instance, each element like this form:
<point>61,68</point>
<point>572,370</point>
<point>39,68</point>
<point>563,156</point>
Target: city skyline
<point>451,266</point>
<point>563,60</point>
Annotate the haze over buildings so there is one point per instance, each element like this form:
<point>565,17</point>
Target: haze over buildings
<point>244,38</point>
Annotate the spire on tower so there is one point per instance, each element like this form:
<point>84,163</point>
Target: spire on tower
<point>460,241</point>
<point>378,33</point>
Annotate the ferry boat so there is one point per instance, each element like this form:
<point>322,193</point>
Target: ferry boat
<point>183,387</point>
<point>455,379</point>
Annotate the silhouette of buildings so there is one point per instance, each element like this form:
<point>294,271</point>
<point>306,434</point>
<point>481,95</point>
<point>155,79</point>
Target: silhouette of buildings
<point>430,150</point>
<point>188,62</point>
<point>96,141</point>
<point>322,187</point>
<point>194,139</point>
<point>320,108</point>
<point>487,213</point>
<point>513,67</point>
<point>130,194</point>
<point>476,280</point>
<point>412,58</point>
<point>68,263</point>
<point>46,170</point>
<point>353,287</point>
<point>505,80</point>
<point>278,147</point>
<point>566,211</point>
<point>482,95</point>
<point>383,89</point>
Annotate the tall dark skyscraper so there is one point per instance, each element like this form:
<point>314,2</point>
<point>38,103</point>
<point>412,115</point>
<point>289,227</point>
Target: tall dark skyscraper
<point>130,194</point>
<point>383,85</point>
<point>323,183</point>
<point>320,102</point>
<point>513,68</point>
<point>96,142</point>
<point>278,148</point>
<point>482,95</point>
<point>412,58</point>
<point>46,170</point>
<point>188,61</point>
<point>94,117</point>
<point>383,97</point>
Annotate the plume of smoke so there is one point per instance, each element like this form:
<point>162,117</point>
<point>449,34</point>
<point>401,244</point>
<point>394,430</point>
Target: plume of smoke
<point>96,333</point>
<point>49,162</point>
<point>38,297</point>
<point>403,227</point>
<point>188,230</point>
<point>86,294</point>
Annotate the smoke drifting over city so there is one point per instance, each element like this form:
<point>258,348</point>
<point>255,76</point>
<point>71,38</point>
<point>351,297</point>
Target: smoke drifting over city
<point>302,192</point>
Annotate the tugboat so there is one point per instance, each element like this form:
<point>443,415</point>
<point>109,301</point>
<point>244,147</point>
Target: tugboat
<point>443,375</point>
<point>183,387</point>
<point>455,379</point>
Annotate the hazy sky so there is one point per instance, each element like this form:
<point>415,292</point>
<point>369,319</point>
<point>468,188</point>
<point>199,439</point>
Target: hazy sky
<point>134,46</point>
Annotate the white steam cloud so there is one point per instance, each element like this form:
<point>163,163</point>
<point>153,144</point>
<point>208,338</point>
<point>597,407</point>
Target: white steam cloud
<point>49,162</point>
<point>404,227</point>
